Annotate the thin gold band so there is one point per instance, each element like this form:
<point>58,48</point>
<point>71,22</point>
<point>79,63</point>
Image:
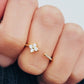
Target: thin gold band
<point>26,45</point>
<point>35,48</point>
<point>48,56</point>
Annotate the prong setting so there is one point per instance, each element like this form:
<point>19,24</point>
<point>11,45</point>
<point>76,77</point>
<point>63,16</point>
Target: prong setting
<point>33,47</point>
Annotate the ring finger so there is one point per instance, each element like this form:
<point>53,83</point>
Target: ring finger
<point>45,31</point>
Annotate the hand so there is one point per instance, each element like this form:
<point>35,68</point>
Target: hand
<point>14,29</point>
<point>64,42</point>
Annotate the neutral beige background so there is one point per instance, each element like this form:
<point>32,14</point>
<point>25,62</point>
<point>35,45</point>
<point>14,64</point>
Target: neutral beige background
<point>73,10</point>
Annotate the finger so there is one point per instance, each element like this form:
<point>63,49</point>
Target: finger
<point>2,7</point>
<point>15,26</point>
<point>78,72</point>
<point>65,55</point>
<point>6,61</point>
<point>45,31</point>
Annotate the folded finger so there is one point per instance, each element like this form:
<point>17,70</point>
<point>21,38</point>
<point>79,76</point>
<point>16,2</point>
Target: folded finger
<point>15,26</point>
<point>45,31</point>
<point>65,55</point>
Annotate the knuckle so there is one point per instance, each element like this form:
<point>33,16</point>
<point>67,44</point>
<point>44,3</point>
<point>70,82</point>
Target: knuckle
<point>50,15</point>
<point>54,79</point>
<point>10,46</point>
<point>29,68</point>
<point>8,61</point>
<point>45,10</point>
<point>73,32</point>
<point>77,76</point>
<point>73,29</point>
<point>24,3</point>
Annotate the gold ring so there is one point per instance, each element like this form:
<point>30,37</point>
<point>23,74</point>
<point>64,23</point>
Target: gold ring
<point>48,56</point>
<point>33,47</point>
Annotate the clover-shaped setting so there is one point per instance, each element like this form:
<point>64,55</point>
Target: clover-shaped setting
<point>33,47</point>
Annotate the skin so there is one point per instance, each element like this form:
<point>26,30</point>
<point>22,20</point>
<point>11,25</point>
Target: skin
<point>2,7</point>
<point>13,37</point>
<point>46,27</point>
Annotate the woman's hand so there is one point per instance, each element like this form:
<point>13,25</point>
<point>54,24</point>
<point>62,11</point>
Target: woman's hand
<point>14,29</point>
<point>64,42</point>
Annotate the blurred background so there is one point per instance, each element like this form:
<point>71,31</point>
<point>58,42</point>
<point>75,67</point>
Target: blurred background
<point>73,10</point>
